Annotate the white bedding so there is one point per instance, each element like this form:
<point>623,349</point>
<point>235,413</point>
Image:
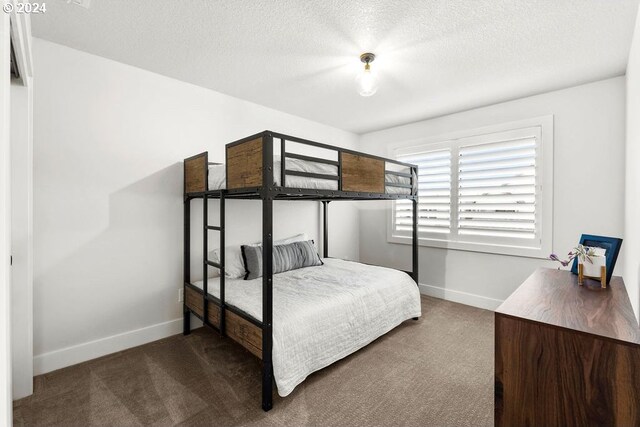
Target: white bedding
<point>218,178</point>
<point>322,314</point>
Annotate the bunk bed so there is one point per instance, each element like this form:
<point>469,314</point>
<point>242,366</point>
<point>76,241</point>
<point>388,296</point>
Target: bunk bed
<point>270,166</point>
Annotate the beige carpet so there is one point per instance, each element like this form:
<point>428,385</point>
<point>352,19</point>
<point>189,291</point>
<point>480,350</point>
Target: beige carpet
<point>437,371</point>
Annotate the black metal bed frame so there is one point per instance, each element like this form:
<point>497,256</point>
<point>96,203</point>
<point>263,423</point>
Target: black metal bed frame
<point>269,192</point>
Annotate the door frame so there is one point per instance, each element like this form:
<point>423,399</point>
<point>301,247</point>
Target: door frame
<point>15,29</point>
<point>6,407</point>
<point>21,147</point>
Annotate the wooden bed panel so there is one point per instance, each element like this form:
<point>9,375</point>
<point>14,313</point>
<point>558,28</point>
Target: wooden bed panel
<point>238,329</point>
<point>193,300</point>
<point>362,173</point>
<point>195,173</point>
<point>244,332</point>
<point>213,314</point>
<point>244,164</point>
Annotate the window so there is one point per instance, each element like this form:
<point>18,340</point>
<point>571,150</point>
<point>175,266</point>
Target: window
<point>487,190</point>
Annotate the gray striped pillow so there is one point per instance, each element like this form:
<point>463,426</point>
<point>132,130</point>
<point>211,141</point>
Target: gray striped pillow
<point>290,256</point>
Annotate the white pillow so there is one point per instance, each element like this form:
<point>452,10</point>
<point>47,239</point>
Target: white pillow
<point>302,237</point>
<point>234,264</point>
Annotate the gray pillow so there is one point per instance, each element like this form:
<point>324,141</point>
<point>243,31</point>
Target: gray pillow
<point>290,256</point>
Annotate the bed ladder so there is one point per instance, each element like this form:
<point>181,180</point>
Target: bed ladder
<point>208,263</point>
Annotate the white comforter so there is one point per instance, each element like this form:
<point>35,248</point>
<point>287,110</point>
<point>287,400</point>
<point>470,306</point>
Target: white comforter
<point>322,314</point>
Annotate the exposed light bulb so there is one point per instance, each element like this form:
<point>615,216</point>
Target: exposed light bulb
<point>367,81</point>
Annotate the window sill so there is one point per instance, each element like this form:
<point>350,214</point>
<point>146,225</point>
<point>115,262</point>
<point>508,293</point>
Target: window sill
<point>519,251</point>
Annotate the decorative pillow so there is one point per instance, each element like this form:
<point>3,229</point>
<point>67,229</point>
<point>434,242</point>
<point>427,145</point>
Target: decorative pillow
<point>290,256</point>
<point>234,263</point>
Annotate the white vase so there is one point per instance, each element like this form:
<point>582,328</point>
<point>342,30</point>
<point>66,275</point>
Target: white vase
<point>592,268</point>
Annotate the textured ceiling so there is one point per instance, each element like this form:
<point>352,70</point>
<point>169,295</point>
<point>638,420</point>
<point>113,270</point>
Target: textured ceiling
<point>433,57</point>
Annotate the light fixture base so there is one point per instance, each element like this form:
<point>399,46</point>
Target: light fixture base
<point>367,57</point>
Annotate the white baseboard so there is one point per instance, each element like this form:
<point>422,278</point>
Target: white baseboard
<point>460,297</point>
<point>68,356</point>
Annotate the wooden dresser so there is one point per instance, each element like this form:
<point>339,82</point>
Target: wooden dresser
<point>567,355</point>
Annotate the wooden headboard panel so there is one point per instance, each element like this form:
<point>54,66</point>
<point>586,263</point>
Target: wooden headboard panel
<point>362,173</point>
<point>196,171</point>
<point>244,164</point>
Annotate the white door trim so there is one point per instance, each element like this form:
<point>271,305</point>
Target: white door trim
<point>6,407</point>
<point>21,181</point>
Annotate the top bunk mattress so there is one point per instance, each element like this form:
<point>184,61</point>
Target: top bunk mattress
<point>322,314</point>
<point>218,177</point>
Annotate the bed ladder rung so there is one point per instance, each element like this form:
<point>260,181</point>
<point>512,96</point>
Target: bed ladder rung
<point>213,264</point>
<point>214,227</point>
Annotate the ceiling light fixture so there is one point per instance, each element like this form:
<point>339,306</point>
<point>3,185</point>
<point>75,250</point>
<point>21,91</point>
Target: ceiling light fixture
<point>367,80</point>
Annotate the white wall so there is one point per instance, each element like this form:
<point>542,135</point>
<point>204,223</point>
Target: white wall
<point>109,140</point>
<point>6,408</point>
<point>632,191</point>
<point>589,139</point>
<point>22,238</point>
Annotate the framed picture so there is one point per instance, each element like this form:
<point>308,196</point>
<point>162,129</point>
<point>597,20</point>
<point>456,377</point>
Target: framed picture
<point>611,245</point>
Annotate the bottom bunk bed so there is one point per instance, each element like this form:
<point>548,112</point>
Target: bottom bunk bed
<point>321,314</point>
<point>297,321</point>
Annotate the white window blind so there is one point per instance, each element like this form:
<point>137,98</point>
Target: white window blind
<point>481,192</point>
<point>434,188</point>
<point>497,189</point>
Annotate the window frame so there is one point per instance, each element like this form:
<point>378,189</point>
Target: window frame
<point>487,244</point>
